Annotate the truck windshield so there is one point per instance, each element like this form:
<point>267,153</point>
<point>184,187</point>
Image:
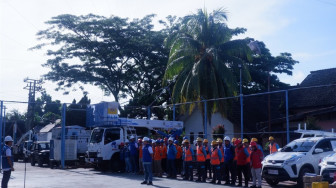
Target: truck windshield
<point>296,146</point>
<point>111,135</point>
<point>96,135</point>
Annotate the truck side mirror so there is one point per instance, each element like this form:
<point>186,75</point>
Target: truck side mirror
<point>318,150</point>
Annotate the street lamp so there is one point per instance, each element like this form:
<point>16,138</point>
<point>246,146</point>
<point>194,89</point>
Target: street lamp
<point>241,102</point>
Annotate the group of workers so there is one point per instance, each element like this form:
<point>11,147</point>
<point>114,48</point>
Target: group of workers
<point>218,162</point>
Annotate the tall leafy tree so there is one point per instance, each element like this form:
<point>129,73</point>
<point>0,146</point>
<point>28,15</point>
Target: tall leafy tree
<point>115,54</point>
<point>203,58</point>
<point>265,66</point>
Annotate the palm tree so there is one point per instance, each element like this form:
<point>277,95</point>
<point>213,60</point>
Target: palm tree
<point>203,61</point>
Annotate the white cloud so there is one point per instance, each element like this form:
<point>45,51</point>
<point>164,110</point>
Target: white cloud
<point>297,77</point>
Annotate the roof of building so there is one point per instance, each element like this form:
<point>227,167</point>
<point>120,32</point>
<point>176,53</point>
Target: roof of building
<point>312,97</point>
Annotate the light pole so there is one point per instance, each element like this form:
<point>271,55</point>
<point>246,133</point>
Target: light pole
<point>241,103</point>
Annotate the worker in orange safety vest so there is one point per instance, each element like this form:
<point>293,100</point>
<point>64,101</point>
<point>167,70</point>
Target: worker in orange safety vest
<point>216,156</point>
<point>207,160</point>
<point>187,157</point>
<point>273,146</point>
<point>200,158</point>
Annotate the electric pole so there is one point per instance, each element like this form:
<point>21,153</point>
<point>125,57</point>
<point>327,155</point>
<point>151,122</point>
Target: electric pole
<point>33,86</point>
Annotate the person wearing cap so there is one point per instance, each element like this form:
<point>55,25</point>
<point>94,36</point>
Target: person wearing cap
<point>122,156</point>
<point>273,146</point>
<point>221,149</point>
<point>233,140</point>
<point>163,144</point>
<point>258,145</point>
<point>7,161</point>
<point>171,157</point>
<point>246,145</point>
<point>147,157</point>
<point>178,157</point>
<point>127,155</point>
<point>256,159</point>
<point>157,159</point>
<point>140,156</point>
<point>187,157</point>
<point>242,155</point>
<point>216,156</point>
<point>200,158</point>
<point>207,161</point>
<point>133,146</point>
<point>229,154</point>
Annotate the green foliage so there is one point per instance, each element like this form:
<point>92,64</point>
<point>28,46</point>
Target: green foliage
<point>201,61</point>
<point>46,110</point>
<point>120,56</point>
<point>218,132</point>
<point>311,123</point>
<point>264,65</point>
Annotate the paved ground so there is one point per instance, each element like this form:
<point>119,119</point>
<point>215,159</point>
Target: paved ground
<point>37,177</point>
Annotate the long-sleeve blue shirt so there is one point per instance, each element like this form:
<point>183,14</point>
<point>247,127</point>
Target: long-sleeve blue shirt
<point>171,151</point>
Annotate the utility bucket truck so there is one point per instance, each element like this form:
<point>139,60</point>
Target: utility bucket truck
<point>109,131</point>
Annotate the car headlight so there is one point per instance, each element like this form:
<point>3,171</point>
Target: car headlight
<point>292,160</point>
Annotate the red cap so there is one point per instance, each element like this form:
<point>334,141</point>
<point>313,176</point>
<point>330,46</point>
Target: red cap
<point>122,143</point>
<point>237,142</point>
<point>253,144</point>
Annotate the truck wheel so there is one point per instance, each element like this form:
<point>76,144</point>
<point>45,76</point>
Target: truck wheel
<point>272,182</point>
<point>32,162</point>
<point>303,171</point>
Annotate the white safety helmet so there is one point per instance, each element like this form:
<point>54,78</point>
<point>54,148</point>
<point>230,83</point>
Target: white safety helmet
<point>227,138</point>
<point>153,141</point>
<point>145,139</point>
<point>8,139</point>
<point>132,137</point>
<point>171,139</point>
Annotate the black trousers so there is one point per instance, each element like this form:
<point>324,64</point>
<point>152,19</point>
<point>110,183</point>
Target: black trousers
<point>208,168</point>
<point>5,178</point>
<point>171,168</point>
<point>222,171</point>
<point>164,164</point>
<point>229,170</point>
<point>243,169</point>
<point>189,174</point>
<point>216,173</point>
<point>201,171</point>
<point>178,166</point>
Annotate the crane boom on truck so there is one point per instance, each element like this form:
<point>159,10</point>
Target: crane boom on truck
<point>109,131</point>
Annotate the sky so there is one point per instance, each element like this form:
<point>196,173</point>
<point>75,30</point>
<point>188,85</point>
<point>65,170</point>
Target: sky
<point>304,28</point>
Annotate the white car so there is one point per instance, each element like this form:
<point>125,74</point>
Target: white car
<point>328,168</point>
<point>297,158</point>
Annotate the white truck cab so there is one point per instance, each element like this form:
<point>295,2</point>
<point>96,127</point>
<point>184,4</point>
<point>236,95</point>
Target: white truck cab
<point>300,156</point>
<point>109,130</point>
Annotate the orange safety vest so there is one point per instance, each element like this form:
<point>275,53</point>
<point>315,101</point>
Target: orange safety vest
<point>140,151</point>
<point>272,148</point>
<point>214,160</point>
<point>187,154</point>
<point>179,151</point>
<point>157,153</point>
<point>248,160</point>
<point>200,154</point>
<point>164,151</point>
<point>208,153</point>
<point>222,151</point>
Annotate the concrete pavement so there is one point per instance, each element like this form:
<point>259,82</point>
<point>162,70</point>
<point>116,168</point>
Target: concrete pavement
<point>44,177</point>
